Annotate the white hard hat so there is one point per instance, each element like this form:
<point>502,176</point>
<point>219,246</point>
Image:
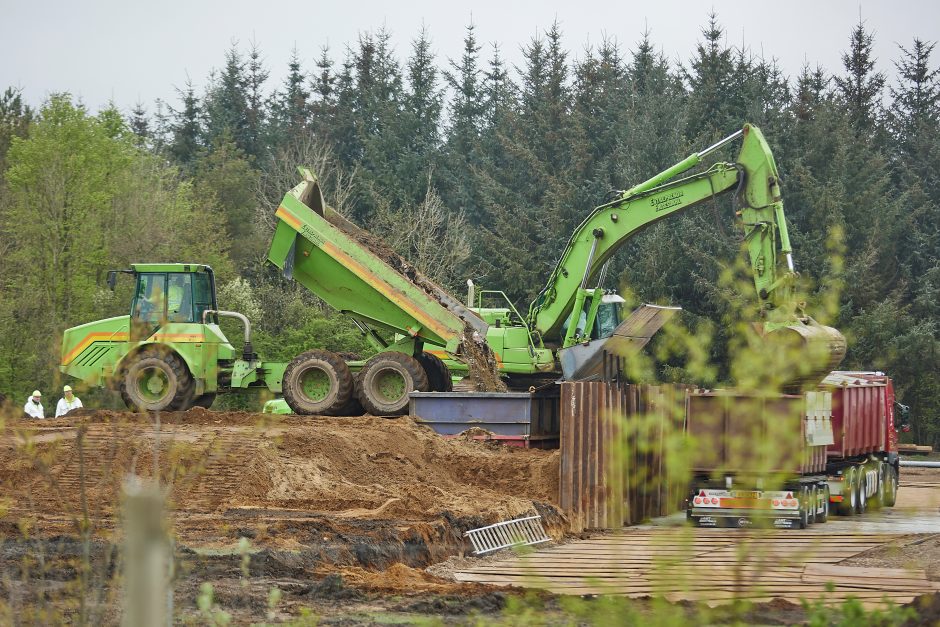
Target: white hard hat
<point>37,393</point>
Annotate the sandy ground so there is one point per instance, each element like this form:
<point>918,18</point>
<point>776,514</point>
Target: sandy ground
<point>357,520</point>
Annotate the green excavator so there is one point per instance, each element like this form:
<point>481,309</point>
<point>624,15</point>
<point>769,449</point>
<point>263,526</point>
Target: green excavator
<point>169,352</point>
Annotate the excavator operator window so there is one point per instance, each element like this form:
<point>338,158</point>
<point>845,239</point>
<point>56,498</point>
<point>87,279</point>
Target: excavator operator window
<point>608,317</point>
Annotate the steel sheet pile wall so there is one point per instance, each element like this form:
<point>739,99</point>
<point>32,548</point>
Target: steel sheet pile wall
<point>613,440</point>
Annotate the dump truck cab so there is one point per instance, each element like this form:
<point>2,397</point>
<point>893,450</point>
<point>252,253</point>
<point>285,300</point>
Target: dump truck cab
<point>168,352</point>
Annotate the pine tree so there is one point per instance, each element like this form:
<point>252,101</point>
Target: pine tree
<point>255,106</point>
<point>15,117</point>
<point>323,99</point>
<point>710,78</point>
<point>862,86</point>
<point>187,134</point>
<point>226,104</point>
<point>290,106</point>
<point>810,91</point>
<point>140,123</point>
<point>424,98</point>
<point>466,105</point>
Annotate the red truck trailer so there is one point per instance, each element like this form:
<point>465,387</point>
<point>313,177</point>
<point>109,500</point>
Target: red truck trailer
<point>863,458</point>
<point>786,458</point>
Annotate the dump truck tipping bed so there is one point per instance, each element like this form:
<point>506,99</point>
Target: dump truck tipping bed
<point>359,276</point>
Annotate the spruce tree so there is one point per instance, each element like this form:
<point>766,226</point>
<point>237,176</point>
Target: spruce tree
<point>226,104</point>
<point>186,130</point>
<point>255,106</point>
<point>861,86</point>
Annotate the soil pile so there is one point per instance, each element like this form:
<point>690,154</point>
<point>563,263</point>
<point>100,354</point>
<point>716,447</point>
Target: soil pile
<point>362,468</point>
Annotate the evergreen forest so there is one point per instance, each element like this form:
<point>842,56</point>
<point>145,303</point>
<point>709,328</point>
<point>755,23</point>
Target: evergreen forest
<point>474,167</point>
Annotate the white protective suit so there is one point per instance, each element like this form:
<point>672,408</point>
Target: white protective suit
<point>33,410</point>
<point>65,406</point>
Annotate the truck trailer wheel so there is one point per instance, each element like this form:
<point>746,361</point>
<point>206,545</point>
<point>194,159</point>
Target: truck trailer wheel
<point>387,379</point>
<point>813,505</point>
<point>438,373</point>
<point>891,489</point>
<point>849,492</point>
<point>878,498</point>
<point>861,500</point>
<point>823,516</point>
<point>156,381</point>
<point>317,382</point>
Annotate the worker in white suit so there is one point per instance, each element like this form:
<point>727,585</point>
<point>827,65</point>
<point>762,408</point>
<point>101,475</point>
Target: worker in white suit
<point>67,403</point>
<point>33,407</point>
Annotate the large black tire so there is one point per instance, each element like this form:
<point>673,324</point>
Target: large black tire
<point>317,382</point>
<point>824,515</point>
<point>891,490</point>
<point>387,379</point>
<point>849,492</point>
<point>438,373</point>
<point>156,381</point>
<point>878,498</point>
<point>813,500</point>
<point>861,501</point>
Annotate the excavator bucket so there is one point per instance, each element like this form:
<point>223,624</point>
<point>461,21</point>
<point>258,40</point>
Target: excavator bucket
<point>591,361</point>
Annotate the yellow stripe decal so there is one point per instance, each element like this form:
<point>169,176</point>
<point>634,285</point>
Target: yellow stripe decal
<point>90,339</point>
<point>287,217</point>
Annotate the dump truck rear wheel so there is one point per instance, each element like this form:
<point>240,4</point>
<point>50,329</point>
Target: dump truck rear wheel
<point>317,382</point>
<point>438,373</point>
<point>387,379</point>
<point>155,382</point>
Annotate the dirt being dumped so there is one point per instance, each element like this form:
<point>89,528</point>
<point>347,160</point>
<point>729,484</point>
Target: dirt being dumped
<point>483,368</point>
<point>348,470</point>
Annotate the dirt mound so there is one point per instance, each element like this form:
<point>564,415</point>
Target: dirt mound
<point>362,468</point>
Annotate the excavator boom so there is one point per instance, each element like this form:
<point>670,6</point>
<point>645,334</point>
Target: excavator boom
<point>573,286</point>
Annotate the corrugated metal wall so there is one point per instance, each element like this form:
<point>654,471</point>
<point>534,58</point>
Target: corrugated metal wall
<point>613,441</point>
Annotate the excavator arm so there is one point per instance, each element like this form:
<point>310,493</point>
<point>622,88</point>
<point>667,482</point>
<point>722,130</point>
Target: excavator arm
<point>575,284</point>
<point>752,178</point>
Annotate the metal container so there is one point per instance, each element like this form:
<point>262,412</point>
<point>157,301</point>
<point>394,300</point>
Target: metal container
<point>743,434</point>
<point>862,413</point>
<point>528,419</point>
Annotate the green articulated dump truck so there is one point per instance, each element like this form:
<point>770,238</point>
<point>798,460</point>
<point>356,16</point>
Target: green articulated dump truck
<point>170,353</point>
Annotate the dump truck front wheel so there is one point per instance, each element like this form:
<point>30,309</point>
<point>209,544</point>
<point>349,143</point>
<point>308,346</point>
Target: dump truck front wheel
<point>156,381</point>
<point>438,373</point>
<point>387,379</point>
<point>317,382</point>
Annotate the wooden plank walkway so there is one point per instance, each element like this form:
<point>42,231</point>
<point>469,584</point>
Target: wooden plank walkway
<point>710,565</point>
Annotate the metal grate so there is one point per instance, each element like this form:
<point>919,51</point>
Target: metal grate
<point>502,535</point>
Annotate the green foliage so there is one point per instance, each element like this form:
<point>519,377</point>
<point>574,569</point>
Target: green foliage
<point>510,160</point>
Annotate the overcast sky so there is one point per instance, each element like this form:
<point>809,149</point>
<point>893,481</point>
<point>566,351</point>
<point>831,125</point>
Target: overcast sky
<point>129,51</point>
